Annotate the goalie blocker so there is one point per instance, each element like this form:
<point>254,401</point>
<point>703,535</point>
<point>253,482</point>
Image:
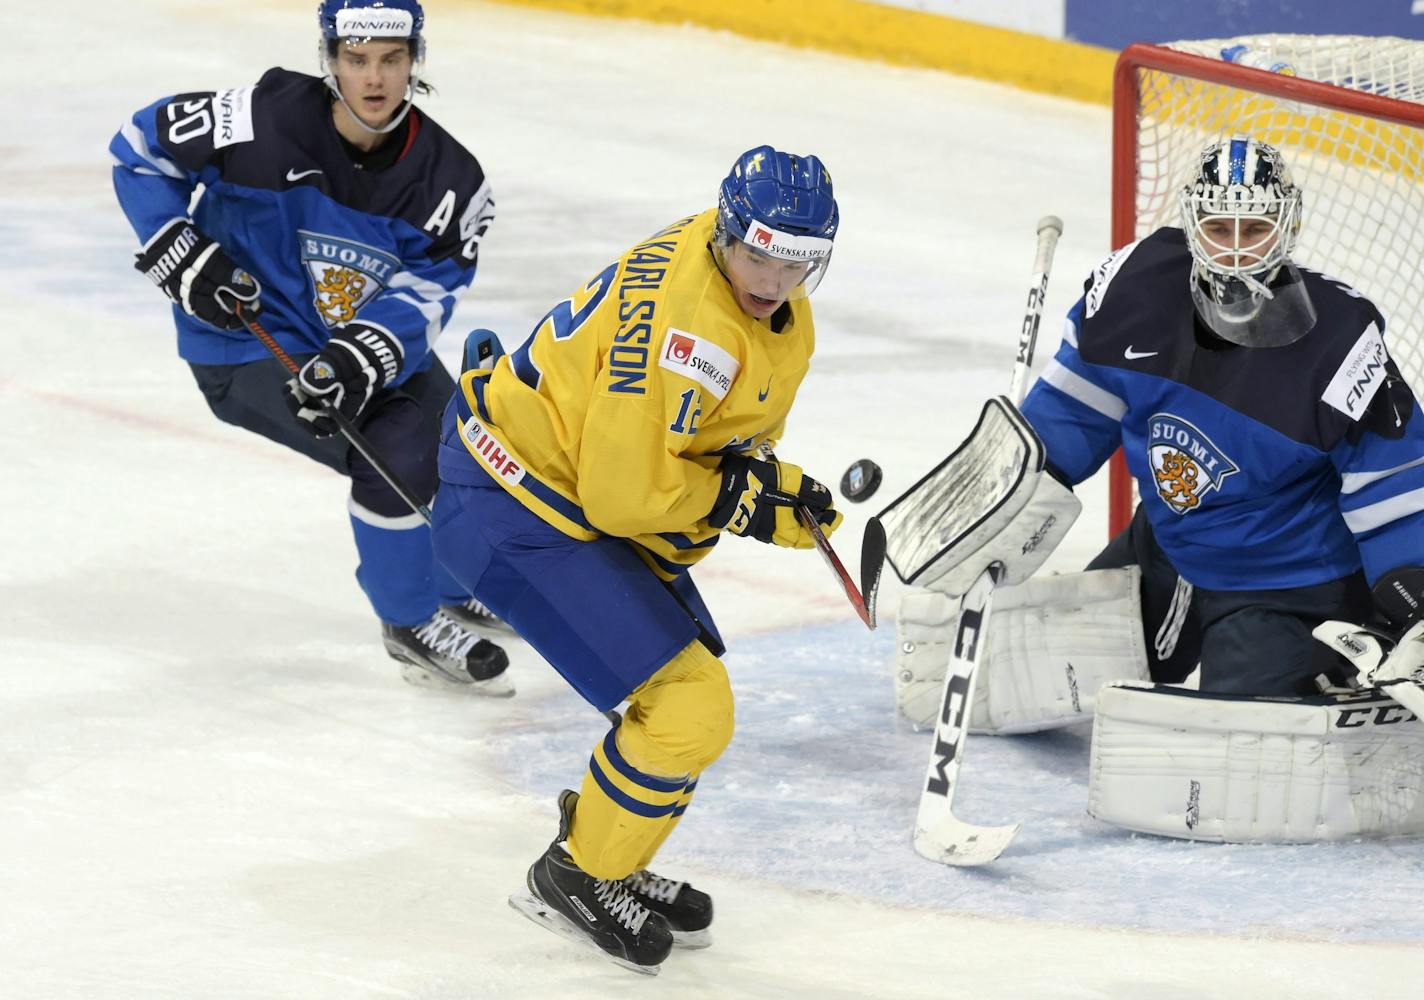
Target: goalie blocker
<point>1235,769</point>
<point>988,502</point>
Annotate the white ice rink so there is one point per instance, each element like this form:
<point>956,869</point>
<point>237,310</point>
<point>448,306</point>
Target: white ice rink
<point>213,783</point>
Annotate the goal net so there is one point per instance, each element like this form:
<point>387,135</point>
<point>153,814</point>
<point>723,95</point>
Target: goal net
<point>1348,112</point>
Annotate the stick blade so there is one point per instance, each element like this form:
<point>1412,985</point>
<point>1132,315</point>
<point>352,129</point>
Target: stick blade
<point>872,563</point>
<point>951,841</point>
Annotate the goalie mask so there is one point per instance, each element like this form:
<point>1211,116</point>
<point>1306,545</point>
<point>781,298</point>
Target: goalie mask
<point>1241,214</point>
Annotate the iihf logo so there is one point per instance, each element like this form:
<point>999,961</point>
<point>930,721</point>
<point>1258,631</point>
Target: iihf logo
<point>1186,464</point>
<point>345,275</point>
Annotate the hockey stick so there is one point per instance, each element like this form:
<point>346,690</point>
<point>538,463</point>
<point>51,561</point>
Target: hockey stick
<point>828,554</point>
<point>939,834</point>
<point>865,609</point>
<point>343,424</point>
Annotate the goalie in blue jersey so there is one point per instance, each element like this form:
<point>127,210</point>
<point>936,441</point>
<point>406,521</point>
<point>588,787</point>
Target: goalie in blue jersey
<point>1279,455</point>
<point>353,223</point>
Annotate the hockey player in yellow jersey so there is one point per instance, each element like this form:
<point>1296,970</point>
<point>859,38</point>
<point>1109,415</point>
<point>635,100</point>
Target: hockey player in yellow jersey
<point>586,473</point>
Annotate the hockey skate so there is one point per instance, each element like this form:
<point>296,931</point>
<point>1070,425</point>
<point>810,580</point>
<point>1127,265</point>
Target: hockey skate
<point>474,615</point>
<point>443,653</point>
<point>599,913</point>
<point>687,911</point>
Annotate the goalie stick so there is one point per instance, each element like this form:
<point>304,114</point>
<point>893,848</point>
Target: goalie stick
<point>940,835</point>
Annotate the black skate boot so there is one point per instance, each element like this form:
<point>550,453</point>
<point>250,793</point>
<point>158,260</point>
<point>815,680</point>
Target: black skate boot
<point>443,653</point>
<point>603,914</point>
<point>474,615</point>
<point>687,911</point>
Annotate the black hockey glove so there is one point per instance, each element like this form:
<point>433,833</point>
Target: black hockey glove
<point>194,272</point>
<point>759,499</point>
<point>356,362</point>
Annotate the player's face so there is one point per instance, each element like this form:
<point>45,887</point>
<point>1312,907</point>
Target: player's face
<point>373,77</point>
<point>1238,242</point>
<point>761,283</point>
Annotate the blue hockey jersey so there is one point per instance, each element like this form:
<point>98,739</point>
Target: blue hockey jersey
<point>326,239</point>
<point>1259,468</point>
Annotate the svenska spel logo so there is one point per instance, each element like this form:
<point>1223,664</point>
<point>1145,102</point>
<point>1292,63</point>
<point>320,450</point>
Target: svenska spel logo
<point>762,236</point>
<point>679,348</point>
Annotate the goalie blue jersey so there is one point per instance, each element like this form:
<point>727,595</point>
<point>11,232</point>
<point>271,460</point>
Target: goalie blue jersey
<point>1259,468</point>
<point>328,240</point>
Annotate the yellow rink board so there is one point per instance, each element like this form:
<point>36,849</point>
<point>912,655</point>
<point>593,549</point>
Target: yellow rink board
<point>886,34</point>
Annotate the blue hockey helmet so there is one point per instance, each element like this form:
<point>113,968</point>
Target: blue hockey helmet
<point>777,207</point>
<point>359,21</point>
<point>366,20</point>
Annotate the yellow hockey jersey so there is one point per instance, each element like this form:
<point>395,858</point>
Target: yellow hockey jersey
<point>611,418</point>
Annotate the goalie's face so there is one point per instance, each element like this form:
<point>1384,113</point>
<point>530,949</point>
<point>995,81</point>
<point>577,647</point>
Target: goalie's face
<point>1238,244</point>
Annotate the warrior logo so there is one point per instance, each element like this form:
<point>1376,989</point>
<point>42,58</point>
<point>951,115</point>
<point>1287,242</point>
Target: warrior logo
<point>1186,464</point>
<point>345,275</point>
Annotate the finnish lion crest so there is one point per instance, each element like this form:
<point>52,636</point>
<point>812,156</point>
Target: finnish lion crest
<point>1186,464</point>
<point>345,275</point>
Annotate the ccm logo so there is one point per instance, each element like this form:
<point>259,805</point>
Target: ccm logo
<point>1373,715</point>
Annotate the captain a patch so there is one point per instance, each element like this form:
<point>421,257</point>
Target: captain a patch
<point>344,274</point>
<point>1186,464</point>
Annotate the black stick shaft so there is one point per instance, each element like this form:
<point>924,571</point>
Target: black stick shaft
<point>347,428</point>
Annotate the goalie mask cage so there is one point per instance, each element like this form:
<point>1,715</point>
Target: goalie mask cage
<point>1347,112</point>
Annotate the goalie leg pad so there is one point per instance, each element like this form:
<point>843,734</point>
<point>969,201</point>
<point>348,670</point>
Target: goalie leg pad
<point>1236,769</point>
<point>924,635</point>
<point>1052,643</point>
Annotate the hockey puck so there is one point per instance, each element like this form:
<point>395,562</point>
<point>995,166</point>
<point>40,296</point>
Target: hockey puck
<point>860,481</point>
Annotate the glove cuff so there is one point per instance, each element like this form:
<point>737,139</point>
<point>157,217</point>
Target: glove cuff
<point>376,348</point>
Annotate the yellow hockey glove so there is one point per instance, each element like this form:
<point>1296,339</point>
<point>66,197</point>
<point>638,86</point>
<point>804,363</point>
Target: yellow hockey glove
<point>759,499</point>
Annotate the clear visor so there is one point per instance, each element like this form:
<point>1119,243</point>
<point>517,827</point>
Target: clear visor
<point>767,276</point>
<point>1244,311</point>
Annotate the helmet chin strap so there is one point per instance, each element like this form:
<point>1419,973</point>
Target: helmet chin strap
<point>390,126</point>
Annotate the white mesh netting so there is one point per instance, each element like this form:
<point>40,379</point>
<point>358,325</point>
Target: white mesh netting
<point>1362,177</point>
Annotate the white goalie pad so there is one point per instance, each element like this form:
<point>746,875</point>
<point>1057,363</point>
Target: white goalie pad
<point>1234,769</point>
<point>1053,642</point>
<point>987,502</point>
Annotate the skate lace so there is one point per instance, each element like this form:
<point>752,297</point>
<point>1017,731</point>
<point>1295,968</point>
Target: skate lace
<point>474,606</point>
<point>664,890</point>
<point>621,904</point>
<point>442,634</point>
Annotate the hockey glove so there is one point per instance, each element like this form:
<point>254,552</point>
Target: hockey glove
<point>759,500</point>
<point>356,362</point>
<point>198,276</point>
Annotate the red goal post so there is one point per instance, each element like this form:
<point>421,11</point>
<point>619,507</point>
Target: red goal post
<point>1348,112</point>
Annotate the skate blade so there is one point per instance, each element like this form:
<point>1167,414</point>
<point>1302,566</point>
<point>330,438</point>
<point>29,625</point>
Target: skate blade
<point>691,939</point>
<point>417,675</point>
<point>547,917</point>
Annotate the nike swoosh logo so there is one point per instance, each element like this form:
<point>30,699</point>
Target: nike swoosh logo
<point>763,393</point>
<point>292,175</point>
<point>1132,355</point>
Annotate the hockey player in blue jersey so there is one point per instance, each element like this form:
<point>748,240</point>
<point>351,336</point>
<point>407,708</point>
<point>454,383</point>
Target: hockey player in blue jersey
<point>1277,449</point>
<point>1278,452</point>
<point>353,222</point>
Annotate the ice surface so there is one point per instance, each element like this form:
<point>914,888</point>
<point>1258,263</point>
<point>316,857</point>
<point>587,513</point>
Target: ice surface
<point>212,781</point>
